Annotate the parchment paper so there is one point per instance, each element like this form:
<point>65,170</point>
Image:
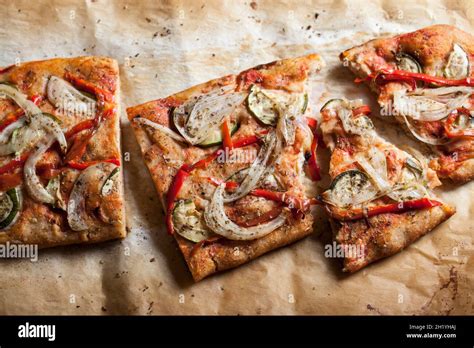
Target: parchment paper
<point>164,47</point>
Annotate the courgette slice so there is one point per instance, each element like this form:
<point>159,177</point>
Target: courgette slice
<point>108,185</point>
<point>188,222</point>
<point>9,207</point>
<point>262,104</point>
<point>350,188</point>
<point>408,63</point>
<point>215,138</point>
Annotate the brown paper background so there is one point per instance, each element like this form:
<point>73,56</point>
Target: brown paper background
<point>166,46</point>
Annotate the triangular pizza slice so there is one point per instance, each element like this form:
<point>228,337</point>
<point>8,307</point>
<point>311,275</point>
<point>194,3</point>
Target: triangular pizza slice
<point>379,200</point>
<point>426,80</point>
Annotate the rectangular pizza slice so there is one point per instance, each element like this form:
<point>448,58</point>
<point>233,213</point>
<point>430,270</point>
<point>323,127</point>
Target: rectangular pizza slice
<point>60,179</point>
<point>380,198</point>
<point>227,158</point>
<point>426,80</point>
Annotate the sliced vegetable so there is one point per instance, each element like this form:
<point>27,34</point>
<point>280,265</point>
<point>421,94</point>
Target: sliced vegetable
<point>14,163</point>
<point>84,165</point>
<point>217,220</point>
<point>32,182</point>
<point>385,76</point>
<point>6,146</point>
<point>89,182</point>
<point>188,222</point>
<point>350,188</point>
<point>10,205</point>
<point>458,64</point>
<point>459,124</point>
<point>68,99</point>
<point>161,128</point>
<point>423,138</point>
<point>199,117</point>
<point>54,189</point>
<point>408,63</point>
<point>293,202</point>
<point>256,169</point>
<point>110,182</point>
<point>313,166</point>
<point>265,104</point>
<point>20,99</point>
<point>394,208</point>
<point>333,104</point>
<point>172,194</point>
<point>215,136</point>
<point>101,94</point>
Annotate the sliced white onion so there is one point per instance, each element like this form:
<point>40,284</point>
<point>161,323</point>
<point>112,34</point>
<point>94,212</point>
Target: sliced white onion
<point>32,182</point>
<point>41,121</point>
<point>431,104</point>
<point>6,148</point>
<point>217,220</point>
<point>376,175</point>
<point>77,216</point>
<point>458,63</point>
<point>289,111</point>
<point>426,140</point>
<point>68,99</point>
<point>19,98</point>
<point>256,170</point>
<point>197,118</point>
<point>163,129</point>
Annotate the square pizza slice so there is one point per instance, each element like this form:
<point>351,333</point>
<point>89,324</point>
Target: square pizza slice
<point>380,198</point>
<point>426,80</point>
<point>60,179</point>
<point>227,158</point>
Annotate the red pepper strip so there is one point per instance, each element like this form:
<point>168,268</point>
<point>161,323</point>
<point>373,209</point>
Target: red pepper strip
<point>228,184</point>
<point>100,93</point>
<point>173,191</point>
<point>270,215</point>
<point>84,165</point>
<point>290,200</point>
<point>9,181</point>
<point>395,75</point>
<point>13,164</point>
<point>394,208</point>
<point>226,136</point>
<point>313,166</point>
<point>364,109</point>
<point>78,148</point>
<point>36,98</point>
<point>84,125</point>
<point>448,126</point>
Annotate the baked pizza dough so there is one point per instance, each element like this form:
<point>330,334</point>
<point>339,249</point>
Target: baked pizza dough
<point>426,80</point>
<point>60,174</point>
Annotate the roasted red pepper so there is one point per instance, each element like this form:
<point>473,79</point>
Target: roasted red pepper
<point>14,164</point>
<point>81,126</point>
<point>83,165</point>
<point>173,192</point>
<point>226,135</point>
<point>457,133</point>
<point>15,115</point>
<point>261,219</point>
<point>10,180</point>
<point>313,166</point>
<point>228,184</point>
<point>394,208</point>
<point>100,93</point>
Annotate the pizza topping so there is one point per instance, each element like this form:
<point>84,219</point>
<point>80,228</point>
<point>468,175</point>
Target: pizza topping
<point>458,64</point>
<point>54,189</point>
<point>256,169</point>
<point>159,127</point>
<point>33,183</point>
<point>10,205</point>
<point>408,63</point>
<point>188,222</point>
<point>313,166</point>
<point>374,164</point>
<point>6,145</point>
<point>266,105</point>
<point>68,99</point>
<point>350,188</point>
<point>424,138</point>
<point>110,183</point>
<point>393,208</point>
<point>431,104</point>
<point>202,115</point>
<point>385,76</point>
<point>217,220</point>
<point>460,123</point>
<point>352,114</point>
<point>215,137</point>
<point>20,99</point>
<point>88,184</point>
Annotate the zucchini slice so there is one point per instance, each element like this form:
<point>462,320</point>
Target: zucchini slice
<point>350,188</point>
<point>332,103</point>
<point>215,137</point>
<point>9,207</point>
<point>408,63</point>
<point>188,222</point>
<point>262,104</point>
